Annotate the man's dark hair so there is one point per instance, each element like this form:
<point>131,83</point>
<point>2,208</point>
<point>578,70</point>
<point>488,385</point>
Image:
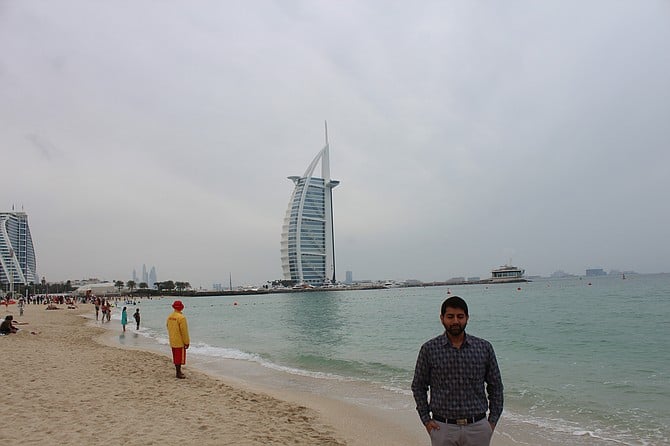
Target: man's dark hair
<point>454,302</point>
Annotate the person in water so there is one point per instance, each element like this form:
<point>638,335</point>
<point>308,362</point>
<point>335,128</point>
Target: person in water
<point>124,318</point>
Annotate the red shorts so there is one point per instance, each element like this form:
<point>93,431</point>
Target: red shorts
<point>179,355</point>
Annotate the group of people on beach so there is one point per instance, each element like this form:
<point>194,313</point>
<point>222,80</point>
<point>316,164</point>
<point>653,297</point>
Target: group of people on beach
<point>105,307</point>
<point>124,318</point>
<point>176,324</point>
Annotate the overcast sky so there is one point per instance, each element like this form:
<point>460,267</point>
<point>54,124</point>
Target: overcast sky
<point>465,134</point>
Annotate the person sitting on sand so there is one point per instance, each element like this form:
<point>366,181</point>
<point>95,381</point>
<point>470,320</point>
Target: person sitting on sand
<point>7,326</point>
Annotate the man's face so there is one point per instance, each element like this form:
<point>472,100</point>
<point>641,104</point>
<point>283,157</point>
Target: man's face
<point>454,320</point>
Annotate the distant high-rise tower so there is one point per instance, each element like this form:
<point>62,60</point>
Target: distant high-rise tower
<point>17,253</point>
<point>134,275</point>
<point>152,277</point>
<point>145,276</point>
<point>307,243</point>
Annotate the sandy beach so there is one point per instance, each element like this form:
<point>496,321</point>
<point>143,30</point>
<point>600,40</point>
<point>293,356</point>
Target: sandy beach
<point>69,384</point>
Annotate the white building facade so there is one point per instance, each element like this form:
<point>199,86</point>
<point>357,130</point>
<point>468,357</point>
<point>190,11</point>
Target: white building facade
<point>307,242</point>
<point>17,254</point>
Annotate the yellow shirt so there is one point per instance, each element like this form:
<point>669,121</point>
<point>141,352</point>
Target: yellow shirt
<point>177,330</point>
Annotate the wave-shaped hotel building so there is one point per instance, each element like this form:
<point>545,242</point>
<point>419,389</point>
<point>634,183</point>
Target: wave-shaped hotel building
<point>17,253</point>
<point>308,242</point>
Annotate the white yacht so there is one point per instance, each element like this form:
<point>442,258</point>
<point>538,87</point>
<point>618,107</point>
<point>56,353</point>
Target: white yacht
<point>508,273</point>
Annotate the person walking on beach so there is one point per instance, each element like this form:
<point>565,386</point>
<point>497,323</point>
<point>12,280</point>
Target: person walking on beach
<point>137,318</point>
<point>177,328</point>
<point>124,319</point>
<point>104,308</point>
<point>461,373</point>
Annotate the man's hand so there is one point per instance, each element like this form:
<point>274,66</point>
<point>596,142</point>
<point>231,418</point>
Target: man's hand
<point>493,426</point>
<point>186,346</point>
<point>432,425</point>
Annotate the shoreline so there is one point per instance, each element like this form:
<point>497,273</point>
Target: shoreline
<point>354,424</point>
<point>75,375</point>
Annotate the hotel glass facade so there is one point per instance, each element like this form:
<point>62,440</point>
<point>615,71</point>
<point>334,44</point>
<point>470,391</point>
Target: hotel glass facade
<point>17,254</point>
<point>307,244</point>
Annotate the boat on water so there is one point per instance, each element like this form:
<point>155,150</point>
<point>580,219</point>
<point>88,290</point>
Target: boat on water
<point>507,274</point>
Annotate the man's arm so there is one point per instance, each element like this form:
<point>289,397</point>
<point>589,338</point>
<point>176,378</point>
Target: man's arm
<point>494,388</point>
<point>421,384</point>
<point>183,328</point>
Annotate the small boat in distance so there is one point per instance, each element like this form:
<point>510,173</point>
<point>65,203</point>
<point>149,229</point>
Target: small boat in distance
<point>507,274</point>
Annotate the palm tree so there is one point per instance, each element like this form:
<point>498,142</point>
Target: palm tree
<point>144,285</point>
<point>181,286</point>
<point>131,285</point>
<point>118,284</point>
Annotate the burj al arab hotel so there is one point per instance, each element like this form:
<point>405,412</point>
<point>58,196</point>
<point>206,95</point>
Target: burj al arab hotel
<point>307,242</point>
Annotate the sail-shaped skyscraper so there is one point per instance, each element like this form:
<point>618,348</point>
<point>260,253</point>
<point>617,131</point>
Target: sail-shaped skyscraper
<point>307,242</point>
<point>17,254</point>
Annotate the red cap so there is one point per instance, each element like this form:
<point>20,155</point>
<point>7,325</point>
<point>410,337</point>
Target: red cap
<point>177,305</point>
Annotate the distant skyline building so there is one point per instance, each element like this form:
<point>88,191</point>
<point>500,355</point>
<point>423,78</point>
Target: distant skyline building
<point>307,241</point>
<point>592,272</point>
<point>152,277</point>
<point>147,277</point>
<point>18,264</point>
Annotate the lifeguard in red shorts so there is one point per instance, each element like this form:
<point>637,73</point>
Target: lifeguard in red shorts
<point>177,328</point>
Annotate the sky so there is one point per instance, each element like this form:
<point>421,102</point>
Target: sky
<point>465,135</point>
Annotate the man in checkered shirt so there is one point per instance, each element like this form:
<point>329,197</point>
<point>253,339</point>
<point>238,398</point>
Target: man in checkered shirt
<point>461,373</point>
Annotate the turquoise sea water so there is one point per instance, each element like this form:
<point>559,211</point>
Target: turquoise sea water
<point>584,361</point>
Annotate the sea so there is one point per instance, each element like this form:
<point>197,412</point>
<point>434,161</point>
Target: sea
<point>584,360</point>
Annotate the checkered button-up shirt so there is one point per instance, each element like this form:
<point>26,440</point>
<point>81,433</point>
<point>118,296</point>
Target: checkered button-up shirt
<point>459,380</point>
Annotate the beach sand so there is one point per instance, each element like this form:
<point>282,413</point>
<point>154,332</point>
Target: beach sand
<point>68,384</point>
